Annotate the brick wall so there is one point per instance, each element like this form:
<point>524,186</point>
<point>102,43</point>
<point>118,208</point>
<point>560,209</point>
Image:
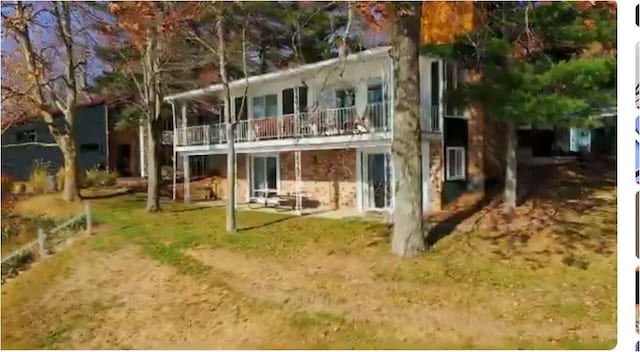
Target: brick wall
<point>220,163</point>
<point>328,176</point>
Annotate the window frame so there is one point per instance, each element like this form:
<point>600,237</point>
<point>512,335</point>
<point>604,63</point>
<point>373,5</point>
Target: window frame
<point>262,99</point>
<point>24,132</point>
<point>88,147</point>
<point>452,83</point>
<point>462,156</point>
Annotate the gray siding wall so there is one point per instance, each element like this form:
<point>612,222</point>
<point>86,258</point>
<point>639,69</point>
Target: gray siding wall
<point>17,161</point>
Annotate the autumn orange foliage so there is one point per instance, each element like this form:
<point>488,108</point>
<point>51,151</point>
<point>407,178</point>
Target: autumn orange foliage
<point>442,21</point>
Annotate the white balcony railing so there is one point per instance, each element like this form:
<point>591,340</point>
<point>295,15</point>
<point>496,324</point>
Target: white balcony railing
<point>431,119</point>
<point>315,123</point>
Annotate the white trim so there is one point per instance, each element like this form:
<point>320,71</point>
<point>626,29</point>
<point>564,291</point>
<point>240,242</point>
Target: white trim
<point>456,81</point>
<point>379,51</point>
<point>365,178</point>
<point>380,139</point>
<point>252,176</point>
<point>463,176</point>
<point>426,179</point>
<point>359,197</point>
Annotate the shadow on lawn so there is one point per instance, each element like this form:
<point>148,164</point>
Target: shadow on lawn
<point>572,215</point>
<point>564,210</point>
<point>272,222</point>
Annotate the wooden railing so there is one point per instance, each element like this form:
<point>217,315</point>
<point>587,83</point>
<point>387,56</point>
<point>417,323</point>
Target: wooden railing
<point>46,241</point>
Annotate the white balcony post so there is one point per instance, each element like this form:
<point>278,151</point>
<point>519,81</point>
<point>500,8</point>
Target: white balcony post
<point>296,112</point>
<point>183,123</point>
<point>207,134</point>
<point>186,179</point>
<point>174,154</point>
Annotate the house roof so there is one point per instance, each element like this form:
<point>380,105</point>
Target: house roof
<point>279,74</point>
<point>25,118</point>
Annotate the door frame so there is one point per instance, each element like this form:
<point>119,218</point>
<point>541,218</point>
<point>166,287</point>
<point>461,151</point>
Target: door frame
<point>252,174</point>
<point>362,165</point>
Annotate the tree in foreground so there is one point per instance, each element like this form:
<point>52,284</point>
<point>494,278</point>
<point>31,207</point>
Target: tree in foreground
<point>402,19</point>
<point>48,72</point>
<point>541,63</point>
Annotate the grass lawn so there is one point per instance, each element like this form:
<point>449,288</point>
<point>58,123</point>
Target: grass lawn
<point>176,280</point>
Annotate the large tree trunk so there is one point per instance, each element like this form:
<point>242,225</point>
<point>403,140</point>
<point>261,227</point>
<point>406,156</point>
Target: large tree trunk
<point>153,166</point>
<point>511,169</point>
<point>408,238</point>
<point>71,190</point>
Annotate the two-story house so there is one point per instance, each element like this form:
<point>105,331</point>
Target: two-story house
<point>99,143</point>
<point>325,130</point>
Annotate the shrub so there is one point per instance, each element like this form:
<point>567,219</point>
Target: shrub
<point>19,188</point>
<point>38,180</point>
<point>97,178</point>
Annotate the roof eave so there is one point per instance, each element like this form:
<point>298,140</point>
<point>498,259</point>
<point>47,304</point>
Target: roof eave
<point>215,88</point>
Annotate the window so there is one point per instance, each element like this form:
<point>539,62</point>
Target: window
<point>453,78</point>
<point>345,98</point>
<point>90,147</point>
<point>455,163</point>
<point>374,94</point>
<point>265,106</point>
<point>27,136</point>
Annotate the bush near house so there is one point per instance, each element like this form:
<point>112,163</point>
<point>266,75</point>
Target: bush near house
<point>97,178</point>
<point>91,178</point>
<point>39,178</point>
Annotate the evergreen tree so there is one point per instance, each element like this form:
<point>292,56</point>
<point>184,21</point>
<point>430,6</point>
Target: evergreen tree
<point>540,63</point>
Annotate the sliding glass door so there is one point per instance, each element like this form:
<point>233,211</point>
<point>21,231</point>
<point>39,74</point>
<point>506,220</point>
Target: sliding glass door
<point>377,181</point>
<point>264,177</point>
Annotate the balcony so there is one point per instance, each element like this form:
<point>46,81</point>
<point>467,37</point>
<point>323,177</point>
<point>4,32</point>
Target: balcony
<point>326,122</point>
<point>430,119</point>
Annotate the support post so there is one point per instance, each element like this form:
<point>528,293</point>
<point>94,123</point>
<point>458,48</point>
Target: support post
<point>42,243</point>
<point>187,179</point>
<point>298,161</point>
<point>174,154</point>
<point>183,123</point>
<point>88,218</point>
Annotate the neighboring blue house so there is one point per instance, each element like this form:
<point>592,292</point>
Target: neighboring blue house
<point>23,144</point>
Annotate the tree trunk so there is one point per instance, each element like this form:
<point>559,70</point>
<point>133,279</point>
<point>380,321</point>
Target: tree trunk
<point>230,125</point>
<point>231,179</point>
<point>153,166</point>
<point>407,238</point>
<point>511,170</point>
<point>71,189</point>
